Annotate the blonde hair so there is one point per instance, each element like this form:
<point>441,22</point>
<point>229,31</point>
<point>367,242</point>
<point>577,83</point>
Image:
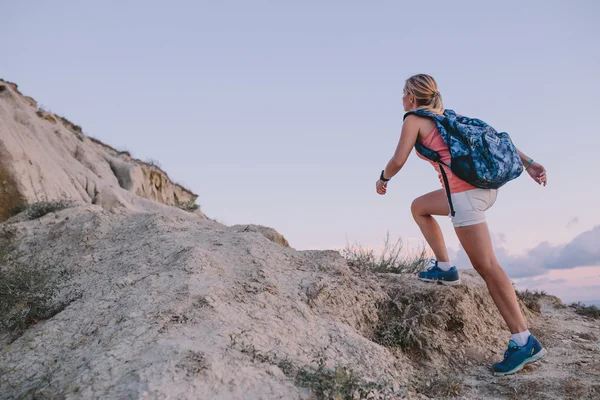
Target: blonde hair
<point>426,93</point>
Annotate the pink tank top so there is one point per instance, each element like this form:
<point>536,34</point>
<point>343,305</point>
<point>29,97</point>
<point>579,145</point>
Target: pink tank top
<point>435,142</point>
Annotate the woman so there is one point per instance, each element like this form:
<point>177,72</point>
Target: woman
<point>470,203</point>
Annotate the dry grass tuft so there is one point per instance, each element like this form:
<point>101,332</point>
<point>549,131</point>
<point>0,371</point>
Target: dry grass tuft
<point>412,321</point>
<point>393,258</point>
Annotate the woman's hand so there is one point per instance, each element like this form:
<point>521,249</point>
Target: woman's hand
<point>537,172</point>
<point>381,186</point>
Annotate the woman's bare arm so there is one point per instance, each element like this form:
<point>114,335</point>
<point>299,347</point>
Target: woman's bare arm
<point>408,138</point>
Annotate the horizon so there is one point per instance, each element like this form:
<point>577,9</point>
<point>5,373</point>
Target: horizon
<point>300,105</point>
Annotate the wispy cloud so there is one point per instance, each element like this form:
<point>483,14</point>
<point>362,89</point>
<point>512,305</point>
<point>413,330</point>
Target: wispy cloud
<point>583,250</point>
<point>574,221</point>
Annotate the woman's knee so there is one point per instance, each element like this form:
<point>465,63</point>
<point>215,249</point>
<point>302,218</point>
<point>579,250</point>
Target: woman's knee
<point>416,208</point>
<point>485,267</point>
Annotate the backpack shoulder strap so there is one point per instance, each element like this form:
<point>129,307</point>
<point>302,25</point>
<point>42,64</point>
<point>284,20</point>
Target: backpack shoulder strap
<point>440,121</point>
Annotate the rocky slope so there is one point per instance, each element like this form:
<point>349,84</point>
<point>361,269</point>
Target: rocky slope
<point>163,307</point>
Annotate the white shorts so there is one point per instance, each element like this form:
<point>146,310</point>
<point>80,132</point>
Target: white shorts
<point>470,206</point>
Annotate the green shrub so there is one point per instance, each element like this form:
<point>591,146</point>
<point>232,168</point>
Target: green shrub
<point>189,205</point>
<point>27,292</point>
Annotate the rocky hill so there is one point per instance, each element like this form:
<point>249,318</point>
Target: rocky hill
<point>135,299</point>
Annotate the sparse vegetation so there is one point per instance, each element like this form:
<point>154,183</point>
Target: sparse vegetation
<point>18,209</point>
<point>573,389</point>
<point>192,364</point>
<point>336,384</point>
<point>408,320</point>
<point>587,311</point>
<point>189,205</point>
<point>27,292</point>
<point>69,124</point>
<point>125,151</point>
<point>45,115</point>
<point>522,389</point>
<point>50,118</point>
<point>2,88</point>
<point>393,258</point>
<point>38,210</point>
<point>531,299</point>
<point>441,386</point>
<point>324,383</point>
<point>154,163</point>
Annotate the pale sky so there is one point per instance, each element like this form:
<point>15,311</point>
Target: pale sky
<point>283,113</point>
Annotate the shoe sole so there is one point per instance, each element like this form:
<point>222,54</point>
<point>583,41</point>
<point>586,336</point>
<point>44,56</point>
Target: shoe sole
<point>441,282</point>
<point>532,359</point>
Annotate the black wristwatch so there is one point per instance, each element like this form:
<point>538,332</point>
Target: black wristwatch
<point>382,177</point>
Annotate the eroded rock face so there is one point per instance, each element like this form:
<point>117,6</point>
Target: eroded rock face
<point>44,157</point>
<point>10,197</point>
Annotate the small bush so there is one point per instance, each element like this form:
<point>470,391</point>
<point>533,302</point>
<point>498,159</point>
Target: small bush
<point>587,311</point>
<point>38,210</point>
<point>393,258</point>
<point>337,384</point>
<point>27,292</point>
<point>409,321</point>
<point>189,205</point>
<point>531,299</point>
<point>2,88</point>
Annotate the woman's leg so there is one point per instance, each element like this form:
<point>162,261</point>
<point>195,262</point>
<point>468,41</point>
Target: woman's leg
<point>422,208</point>
<point>477,243</point>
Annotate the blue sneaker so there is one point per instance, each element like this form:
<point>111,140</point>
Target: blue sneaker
<point>516,357</point>
<point>436,274</point>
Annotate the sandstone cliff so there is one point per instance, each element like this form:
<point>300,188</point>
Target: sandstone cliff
<point>44,157</point>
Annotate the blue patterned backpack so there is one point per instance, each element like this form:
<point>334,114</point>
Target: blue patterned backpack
<point>478,154</point>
